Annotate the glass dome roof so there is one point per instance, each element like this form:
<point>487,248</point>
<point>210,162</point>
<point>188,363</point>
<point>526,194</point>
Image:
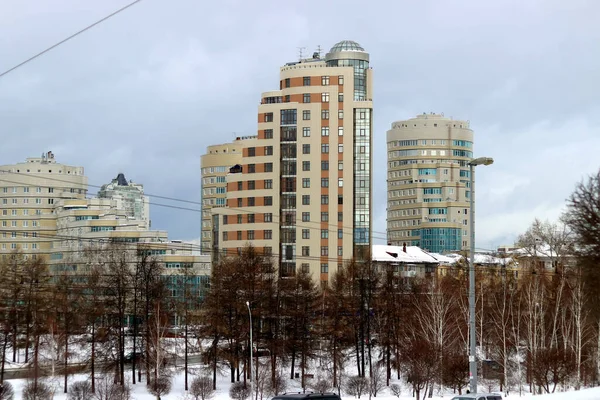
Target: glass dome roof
<point>346,45</point>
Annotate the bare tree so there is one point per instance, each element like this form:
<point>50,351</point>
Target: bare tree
<point>81,390</point>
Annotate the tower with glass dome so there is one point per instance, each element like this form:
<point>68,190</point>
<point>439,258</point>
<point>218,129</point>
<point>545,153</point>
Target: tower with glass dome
<point>302,192</point>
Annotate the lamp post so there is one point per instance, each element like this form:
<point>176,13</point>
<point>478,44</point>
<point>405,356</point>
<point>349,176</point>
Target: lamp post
<point>250,315</point>
<point>472,336</point>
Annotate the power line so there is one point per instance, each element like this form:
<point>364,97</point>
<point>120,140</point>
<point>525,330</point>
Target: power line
<point>69,38</point>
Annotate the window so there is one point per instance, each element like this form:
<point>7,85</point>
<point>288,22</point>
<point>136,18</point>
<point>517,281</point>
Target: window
<point>305,233</point>
<point>324,182</point>
<point>340,165</point>
<point>340,148</point>
<point>239,218</point>
<point>14,213</point>
<point>251,151</point>
<point>306,149</point>
<point>325,80</point>
<point>340,182</point>
<point>324,216</point>
<point>324,114</point>
<point>268,183</point>
<point>306,80</point>
<point>269,167</point>
<point>305,268</point>
<point>287,82</point>
<point>340,114</point>
<point>306,115</point>
<point>268,217</point>
<point>340,97</point>
<point>239,185</point>
<point>306,131</point>
<point>305,199</point>
<point>305,251</point>
<point>305,217</point>
<point>305,182</point>
<point>251,218</point>
<point>340,233</point>
<point>251,185</point>
<point>268,133</point>
<point>268,200</point>
<point>37,190</point>
<point>224,219</point>
<point>268,150</point>
<point>324,251</point>
<point>306,98</point>
<point>251,201</point>
<point>341,131</point>
<point>287,98</point>
<point>239,235</point>
<point>250,235</point>
<point>324,97</point>
<point>14,201</point>
<point>324,234</point>
<point>324,199</point>
<point>50,201</point>
<point>325,148</point>
<point>324,165</point>
<point>268,250</point>
<point>340,216</point>
<point>340,199</point>
<point>251,168</point>
<point>325,131</point>
<point>341,80</point>
<point>305,165</point>
<point>50,190</point>
<point>268,117</point>
<point>268,234</point>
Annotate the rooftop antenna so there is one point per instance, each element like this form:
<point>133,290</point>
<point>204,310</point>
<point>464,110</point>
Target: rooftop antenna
<point>301,52</point>
<point>319,50</point>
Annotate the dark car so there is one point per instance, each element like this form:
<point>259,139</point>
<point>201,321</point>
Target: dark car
<point>307,396</point>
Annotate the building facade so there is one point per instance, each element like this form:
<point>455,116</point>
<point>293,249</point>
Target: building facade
<point>214,167</point>
<point>428,183</point>
<point>29,192</point>
<point>128,197</point>
<point>303,189</point>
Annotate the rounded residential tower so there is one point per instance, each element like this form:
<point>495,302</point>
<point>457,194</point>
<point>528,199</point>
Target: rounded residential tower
<point>428,183</point>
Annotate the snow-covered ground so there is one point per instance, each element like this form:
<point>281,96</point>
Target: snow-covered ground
<point>177,393</point>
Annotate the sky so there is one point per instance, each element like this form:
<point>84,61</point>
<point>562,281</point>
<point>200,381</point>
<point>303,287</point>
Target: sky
<point>146,92</point>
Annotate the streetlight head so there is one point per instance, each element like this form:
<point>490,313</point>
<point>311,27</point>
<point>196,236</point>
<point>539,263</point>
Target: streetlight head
<point>248,303</point>
<point>482,161</point>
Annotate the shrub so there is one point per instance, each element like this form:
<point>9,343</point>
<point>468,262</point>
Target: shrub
<point>6,391</point>
<point>160,386</point>
<point>202,388</point>
<point>107,389</point>
<point>81,390</point>
<point>321,386</point>
<point>41,391</point>
<point>396,389</point>
<point>239,391</point>
<point>356,386</point>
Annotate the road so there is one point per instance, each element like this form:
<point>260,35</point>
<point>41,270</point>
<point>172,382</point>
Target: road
<point>22,373</point>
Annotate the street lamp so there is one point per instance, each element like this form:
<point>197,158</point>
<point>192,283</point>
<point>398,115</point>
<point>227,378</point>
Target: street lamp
<point>472,336</point>
<point>250,315</point>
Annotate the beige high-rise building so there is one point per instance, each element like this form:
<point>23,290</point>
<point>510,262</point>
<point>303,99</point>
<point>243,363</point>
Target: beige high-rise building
<point>28,193</point>
<point>303,189</point>
<point>214,167</point>
<point>428,183</point>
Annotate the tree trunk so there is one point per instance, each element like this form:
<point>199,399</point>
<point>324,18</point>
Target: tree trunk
<point>3,356</point>
<point>93,357</point>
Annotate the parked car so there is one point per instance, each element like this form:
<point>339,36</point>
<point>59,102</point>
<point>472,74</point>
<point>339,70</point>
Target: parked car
<point>307,396</point>
<point>478,396</point>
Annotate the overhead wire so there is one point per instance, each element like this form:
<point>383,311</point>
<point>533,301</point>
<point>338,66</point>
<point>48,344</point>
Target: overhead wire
<point>69,38</point>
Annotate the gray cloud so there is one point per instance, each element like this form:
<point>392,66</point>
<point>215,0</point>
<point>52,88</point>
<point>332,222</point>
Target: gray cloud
<point>147,91</point>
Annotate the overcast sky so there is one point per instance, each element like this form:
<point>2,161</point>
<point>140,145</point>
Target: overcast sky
<point>145,92</point>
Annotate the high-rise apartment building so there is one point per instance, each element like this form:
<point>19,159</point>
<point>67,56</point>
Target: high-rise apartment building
<point>129,198</point>
<point>28,194</point>
<point>214,167</point>
<point>428,183</point>
<point>302,191</point>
